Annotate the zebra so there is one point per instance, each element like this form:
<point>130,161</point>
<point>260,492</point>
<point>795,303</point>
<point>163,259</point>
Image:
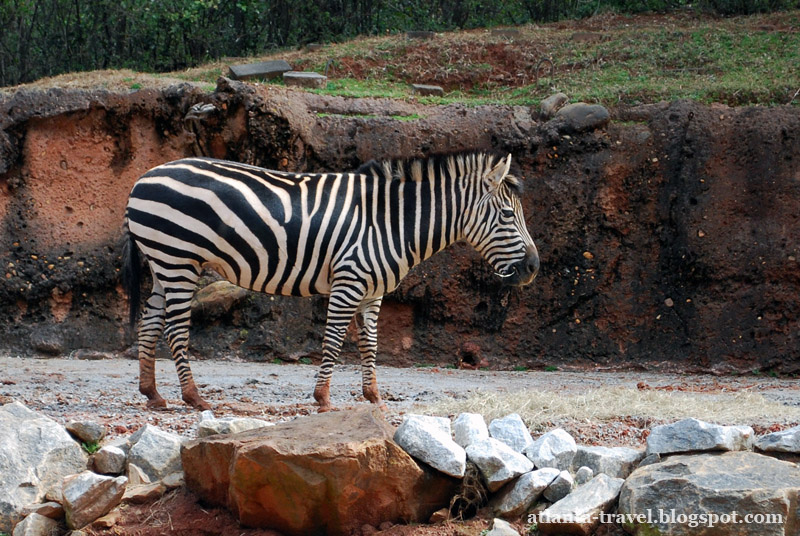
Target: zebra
<point>350,236</point>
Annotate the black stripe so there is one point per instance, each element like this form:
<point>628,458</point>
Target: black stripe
<point>184,235</point>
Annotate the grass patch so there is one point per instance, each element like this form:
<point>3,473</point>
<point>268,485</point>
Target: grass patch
<point>540,410</point>
<point>636,59</point>
<point>90,447</point>
<point>351,87</point>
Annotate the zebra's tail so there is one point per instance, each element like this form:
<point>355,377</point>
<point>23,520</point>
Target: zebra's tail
<point>131,275</point>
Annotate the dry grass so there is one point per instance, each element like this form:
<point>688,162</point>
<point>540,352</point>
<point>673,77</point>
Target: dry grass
<point>540,410</point>
<point>120,80</point>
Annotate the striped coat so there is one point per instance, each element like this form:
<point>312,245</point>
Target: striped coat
<point>352,236</point>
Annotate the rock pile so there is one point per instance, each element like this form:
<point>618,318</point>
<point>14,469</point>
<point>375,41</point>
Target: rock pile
<point>48,480</point>
<point>339,472</point>
<point>573,488</point>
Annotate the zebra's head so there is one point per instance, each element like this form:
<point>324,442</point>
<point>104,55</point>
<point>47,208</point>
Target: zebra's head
<point>497,228</point>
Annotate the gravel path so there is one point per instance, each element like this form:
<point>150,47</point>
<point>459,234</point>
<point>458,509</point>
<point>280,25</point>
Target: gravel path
<point>106,390</point>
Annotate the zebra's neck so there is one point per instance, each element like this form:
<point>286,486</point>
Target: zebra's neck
<point>432,198</point>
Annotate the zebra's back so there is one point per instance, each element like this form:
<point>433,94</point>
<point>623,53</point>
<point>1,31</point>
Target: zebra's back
<point>268,231</point>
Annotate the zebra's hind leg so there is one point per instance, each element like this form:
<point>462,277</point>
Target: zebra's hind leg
<point>178,298</point>
<point>367,321</point>
<point>150,329</point>
<point>344,301</point>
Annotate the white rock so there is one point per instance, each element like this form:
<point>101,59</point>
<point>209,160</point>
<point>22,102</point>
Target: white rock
<point>502,528</point>
<point>88,496</point>
<point>469,428</point>
<point>784,441</point>
<point>35,454</point>
<point>144,493</point>
<point>711,487</point>
<point>156,452</point>
<point>583,475</point>
<point>443,423</point>
<point>517,497</point>
<point>511,431</point>
<point>428,440</point>
<point>497,462</point>
<point>228,425</point>
<point>556,449</point>
<point>137,477</point>
<point>123,443</point>
<point>579,512</point>
<point>560,487</point>
<point>617,462</point>
<point>36,525</point>
<point>175,480</point>
<point>110,461</point>
<point>693,435</point>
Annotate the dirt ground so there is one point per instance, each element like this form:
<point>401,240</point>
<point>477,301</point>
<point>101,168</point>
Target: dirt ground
<point>105,390</point>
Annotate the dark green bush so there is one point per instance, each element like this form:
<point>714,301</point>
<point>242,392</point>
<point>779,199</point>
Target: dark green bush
<point>47,37</point>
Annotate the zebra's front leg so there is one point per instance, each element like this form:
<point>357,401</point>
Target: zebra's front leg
<point>344,301</point>
<point>150,329</point>
<point>367,321</point>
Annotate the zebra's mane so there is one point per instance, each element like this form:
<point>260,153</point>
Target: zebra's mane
<point>440,161</point>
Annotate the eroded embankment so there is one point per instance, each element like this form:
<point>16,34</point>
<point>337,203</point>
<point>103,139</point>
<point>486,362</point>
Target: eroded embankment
<point>669,237</point>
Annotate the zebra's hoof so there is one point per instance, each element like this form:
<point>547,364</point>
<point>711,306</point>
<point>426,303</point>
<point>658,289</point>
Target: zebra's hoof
<point>196,402</point>
<point>156,403</point>
<point>199,404</point>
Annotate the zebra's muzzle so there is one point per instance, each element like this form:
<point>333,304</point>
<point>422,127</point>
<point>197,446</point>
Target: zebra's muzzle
<point>508,272</point>
<point>523,272</point>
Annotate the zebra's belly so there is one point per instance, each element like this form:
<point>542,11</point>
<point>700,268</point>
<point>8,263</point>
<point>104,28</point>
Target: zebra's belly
<point>288,285</point>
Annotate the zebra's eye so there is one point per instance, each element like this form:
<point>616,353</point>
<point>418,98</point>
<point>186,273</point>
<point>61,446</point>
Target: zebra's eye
<point>507,213</point>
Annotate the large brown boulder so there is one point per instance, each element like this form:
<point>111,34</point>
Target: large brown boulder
<point>324,474</point>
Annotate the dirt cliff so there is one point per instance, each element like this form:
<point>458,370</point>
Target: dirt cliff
<point>668,239</point>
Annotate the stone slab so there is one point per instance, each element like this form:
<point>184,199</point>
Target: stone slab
<point>264,69</point>
<point>305,79</point>
<point>427,90</point>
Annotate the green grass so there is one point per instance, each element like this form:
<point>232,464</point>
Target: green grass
<point>637,59</point>
<point>729,60</point>
<point>350,87</point>
<point>90,447</point>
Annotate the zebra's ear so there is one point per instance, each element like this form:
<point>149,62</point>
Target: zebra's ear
<point>498,173</point>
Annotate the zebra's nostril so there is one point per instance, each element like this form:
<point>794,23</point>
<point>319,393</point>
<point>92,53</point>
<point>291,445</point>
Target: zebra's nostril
<point>533,264</point>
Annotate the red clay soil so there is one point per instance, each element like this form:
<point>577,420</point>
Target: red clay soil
<point>179,514</point>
